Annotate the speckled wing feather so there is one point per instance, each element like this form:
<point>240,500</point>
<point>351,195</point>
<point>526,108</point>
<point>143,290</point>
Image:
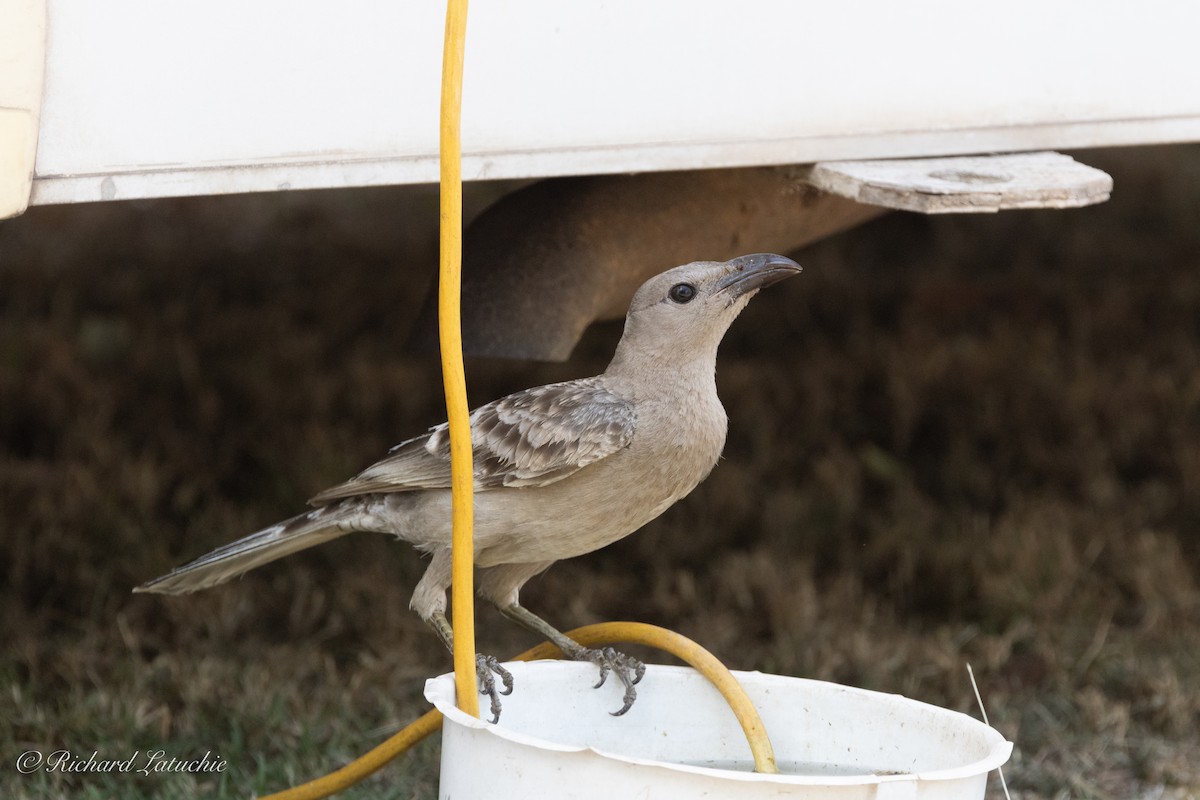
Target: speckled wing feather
<point>531,438</point>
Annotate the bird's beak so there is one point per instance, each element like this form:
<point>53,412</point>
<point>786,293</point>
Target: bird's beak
<point>754,272</point>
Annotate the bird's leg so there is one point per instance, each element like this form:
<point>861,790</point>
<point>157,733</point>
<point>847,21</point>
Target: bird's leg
<point>484,666</point>
<point>627,669</point>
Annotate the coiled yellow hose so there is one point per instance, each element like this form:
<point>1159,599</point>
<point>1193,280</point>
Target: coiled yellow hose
<point>603,633</point>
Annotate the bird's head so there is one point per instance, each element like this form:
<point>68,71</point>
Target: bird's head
<point>683,313</point>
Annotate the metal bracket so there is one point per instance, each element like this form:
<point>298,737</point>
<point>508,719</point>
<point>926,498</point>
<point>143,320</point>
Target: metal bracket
<point>569,251</point>
<point>966,184</point>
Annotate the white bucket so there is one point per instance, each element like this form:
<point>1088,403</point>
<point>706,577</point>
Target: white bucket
<point>557,739</point>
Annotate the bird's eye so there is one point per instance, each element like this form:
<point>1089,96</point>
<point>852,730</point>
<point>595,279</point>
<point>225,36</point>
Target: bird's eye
<point>682,293</point>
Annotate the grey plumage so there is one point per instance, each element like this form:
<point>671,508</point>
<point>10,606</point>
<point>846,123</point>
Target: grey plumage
<point>560,470</point>
<point>530,438</point>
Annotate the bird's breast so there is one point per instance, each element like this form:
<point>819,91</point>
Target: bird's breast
<point>674,448</point>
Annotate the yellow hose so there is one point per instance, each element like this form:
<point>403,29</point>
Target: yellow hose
<point>367,763</point>
<point>453,375</point>
<point>696,656</point>
<point>462,487</point>
<point>604,633</point>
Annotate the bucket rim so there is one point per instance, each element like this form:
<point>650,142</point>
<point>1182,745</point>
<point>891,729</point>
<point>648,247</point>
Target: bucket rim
<point>441,692</point>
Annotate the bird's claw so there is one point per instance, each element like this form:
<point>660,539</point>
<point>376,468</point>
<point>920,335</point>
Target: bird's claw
<point>628,669</point>
<point>484,667</point>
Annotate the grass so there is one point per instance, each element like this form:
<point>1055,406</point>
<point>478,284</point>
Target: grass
<point>952,440</point>
<point>286,727</point>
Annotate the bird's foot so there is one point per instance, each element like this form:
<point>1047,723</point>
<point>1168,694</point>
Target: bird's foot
<point>627,669</point>
<point>484,667</point>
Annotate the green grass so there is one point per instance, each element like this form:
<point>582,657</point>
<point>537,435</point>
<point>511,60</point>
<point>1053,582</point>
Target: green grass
<point>273,718</point>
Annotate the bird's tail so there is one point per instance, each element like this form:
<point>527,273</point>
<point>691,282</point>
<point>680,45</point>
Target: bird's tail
<point>236,558</point>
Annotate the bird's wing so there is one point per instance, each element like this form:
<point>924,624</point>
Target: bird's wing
<point>531,438</point>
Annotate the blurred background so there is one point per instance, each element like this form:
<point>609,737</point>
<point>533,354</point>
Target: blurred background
<point>952,440</point>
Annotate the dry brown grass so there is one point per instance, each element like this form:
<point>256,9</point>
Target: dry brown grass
<point>952,440</point>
